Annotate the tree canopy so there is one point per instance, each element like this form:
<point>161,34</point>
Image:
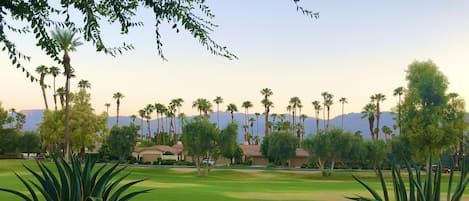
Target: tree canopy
<point>122,140</point>
<point>88,18</point>
<point>425,113</point>
<point>279,147</point>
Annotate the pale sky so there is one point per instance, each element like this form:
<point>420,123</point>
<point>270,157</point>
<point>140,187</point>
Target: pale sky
<point>355,49</point>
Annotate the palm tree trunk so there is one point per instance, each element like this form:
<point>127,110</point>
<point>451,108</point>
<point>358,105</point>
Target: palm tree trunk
<point>117,117</point>
<point>44,95</point>
<point>266,129</point>
<point>328,113</point>
<point>342,115</point>
<point>377,119</point>
<point>232,117</point>
<point>55,97</point>
<point>68,151</point>
<point>218,116</point>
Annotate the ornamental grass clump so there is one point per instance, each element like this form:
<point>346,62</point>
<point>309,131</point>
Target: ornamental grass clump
<point>418,188</point>
<point>76,182</point>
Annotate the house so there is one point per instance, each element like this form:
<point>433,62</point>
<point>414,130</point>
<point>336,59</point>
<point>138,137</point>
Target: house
<point>253,152</point>
<point>150,154</point>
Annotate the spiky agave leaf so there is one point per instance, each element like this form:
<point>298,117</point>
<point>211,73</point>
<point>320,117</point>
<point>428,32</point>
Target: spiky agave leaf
<point>74,182</point>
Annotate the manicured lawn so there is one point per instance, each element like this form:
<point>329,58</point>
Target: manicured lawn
<point>224,185</point>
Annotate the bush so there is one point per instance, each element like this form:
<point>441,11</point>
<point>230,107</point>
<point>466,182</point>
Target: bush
<point>86,182</point>
<point>168,162</point>
<point>430,190</point>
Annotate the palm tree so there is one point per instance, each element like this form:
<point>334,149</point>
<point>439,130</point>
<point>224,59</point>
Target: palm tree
<point>295,102</point>
<point>182,117</point>
<point>251,124</point>
<point>54,71</point>
<point>159,108</point>
<point>257,122</point>
<point>43,71</point>
<point>289,109</point>
<point>132,119</point>
<point>369,112</point>
<point>231,108</point>
<point>343,100</point>
<point>327,106</point>
<point>178,103</point>
<point>266,92</point>
<point>217,101</point>
<point>141,114</point>
<point>66,41</point>
<point>61,92</point>
<point>203,105</point>
<point>107,105</point>
<point>379,97</point>
<point>84,84</point>
<point>118,96</point>
<point>246,105</point>
<point>303,117</point>
<point>317,109</point>
<point>148,110</point>
<point>399,91</point>
<point>171,114</point>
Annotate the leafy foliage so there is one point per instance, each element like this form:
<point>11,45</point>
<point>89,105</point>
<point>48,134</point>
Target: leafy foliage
<point>122,140</point>
<point>8,140</point>
<point>77,182</point>
<point>424,119</point>
<point>329,147</point>
<point>227,142</point>
<point>200,140</point>
<point>280,147</point>
<point>29,142</point>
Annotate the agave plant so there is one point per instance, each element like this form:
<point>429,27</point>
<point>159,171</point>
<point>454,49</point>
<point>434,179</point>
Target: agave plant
<point>77,182</point>
<point>429,191</point>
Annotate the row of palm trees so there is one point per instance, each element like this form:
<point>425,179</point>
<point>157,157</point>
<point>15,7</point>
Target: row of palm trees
<point>204,107</point>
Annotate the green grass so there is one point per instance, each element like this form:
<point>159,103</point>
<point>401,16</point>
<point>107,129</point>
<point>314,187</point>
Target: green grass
<point>225,185</point>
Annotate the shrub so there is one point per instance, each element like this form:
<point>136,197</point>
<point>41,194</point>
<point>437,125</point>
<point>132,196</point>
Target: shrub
<point>430,190</point>
<point>76,182</point>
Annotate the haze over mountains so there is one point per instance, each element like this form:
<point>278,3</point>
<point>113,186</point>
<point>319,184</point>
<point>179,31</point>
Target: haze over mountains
<point>352,122</point>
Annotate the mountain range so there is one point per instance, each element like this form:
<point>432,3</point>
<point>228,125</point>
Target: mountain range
<point>352,122</point>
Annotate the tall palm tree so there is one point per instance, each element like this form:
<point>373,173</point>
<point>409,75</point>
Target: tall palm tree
<point>246,105</point>
<point>266,92</point>
<point>343,100</point>
<point>289,109</point>
<point>303,117</point>
<point>231,108</point>
<point>67,42</point>
<point>171,114</point>
<point>61,92</point>
<point>317,109</point>
<point>178,103</point>
<point>84,84</point>
<point>203,105</point>
<point>295,102</point>
<point>142,115</point>
<point>327,106</point>
<point>43,71</point>
<point>107,105</point>
<point>257,122</point>
<point>54,71</point>
<point>399,91</point>
<point>148,110</point>
<point>251,124</point>
<point>182,117</point>
<point>133,118</point>
<point>158,109</point>
<point>118,96</point>
<point>369,112</point>
<point>218,100</point>
<point>378,98</point>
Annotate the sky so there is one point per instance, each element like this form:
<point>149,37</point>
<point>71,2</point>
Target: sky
<point>355,49</point>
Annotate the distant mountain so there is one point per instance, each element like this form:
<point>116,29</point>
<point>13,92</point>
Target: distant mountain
<point>352,122</point>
